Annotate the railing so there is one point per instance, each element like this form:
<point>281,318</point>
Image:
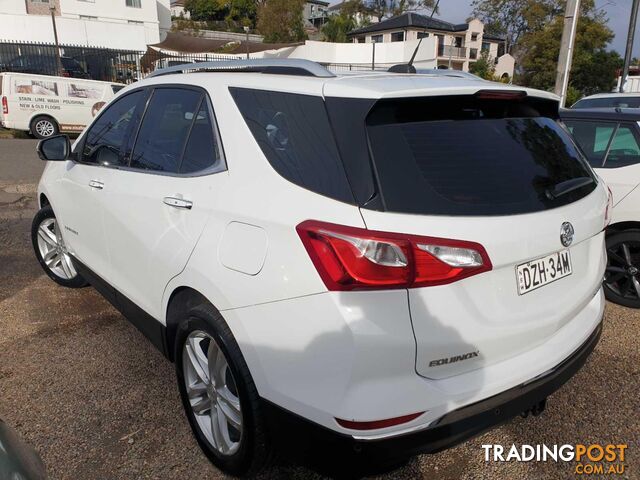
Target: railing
<point>451,51</point>
<point>357,67</point>
<point>123,66</point>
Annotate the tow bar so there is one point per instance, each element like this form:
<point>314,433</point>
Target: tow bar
<point>536,409</point>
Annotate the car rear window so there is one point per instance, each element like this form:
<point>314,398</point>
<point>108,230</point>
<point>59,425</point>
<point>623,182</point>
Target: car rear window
<point>462,156</point>
<point>294,133</point>
<point>608,102</point>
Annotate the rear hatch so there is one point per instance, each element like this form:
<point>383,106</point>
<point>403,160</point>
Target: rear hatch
<point>494,170</point>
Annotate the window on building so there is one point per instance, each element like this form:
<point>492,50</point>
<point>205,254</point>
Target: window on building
<point>376,38</point>
<point>423,34</point>
<point>474,36</point>
<point>360,39</point>
<point>473,53</point>
<point>485,46</point>
<point>397,37</point>
<point>134,3</point>
<point>457,42</point>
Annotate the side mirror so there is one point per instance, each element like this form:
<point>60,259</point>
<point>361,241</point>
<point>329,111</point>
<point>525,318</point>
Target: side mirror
<point>54,149</point>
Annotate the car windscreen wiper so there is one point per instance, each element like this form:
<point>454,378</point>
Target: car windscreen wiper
<point>568,186</point>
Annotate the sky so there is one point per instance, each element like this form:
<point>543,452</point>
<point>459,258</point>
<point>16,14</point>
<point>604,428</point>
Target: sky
<point>618,11</point>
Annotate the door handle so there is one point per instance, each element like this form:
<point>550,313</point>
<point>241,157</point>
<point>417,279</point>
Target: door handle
<point>178,203</point>
<point>96,184</point>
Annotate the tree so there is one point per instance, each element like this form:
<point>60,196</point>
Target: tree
<point>512,19</point>
<point>593,68</point>
<point>281,21</point>
<point>484,66</point>
<point>204,10</point>
<point>337,27</point>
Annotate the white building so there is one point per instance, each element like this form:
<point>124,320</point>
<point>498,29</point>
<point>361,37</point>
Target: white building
<point>116,24</point>
<point>458,45</point>
<point>178,10</point>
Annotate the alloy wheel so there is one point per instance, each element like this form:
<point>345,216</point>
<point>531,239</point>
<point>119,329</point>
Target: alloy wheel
<point>53,250</point>
<point>622,275</point>
<point>45,128</point>
<point>212,392</point>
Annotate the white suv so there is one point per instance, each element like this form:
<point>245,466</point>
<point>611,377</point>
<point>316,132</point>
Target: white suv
<point>379,264</point>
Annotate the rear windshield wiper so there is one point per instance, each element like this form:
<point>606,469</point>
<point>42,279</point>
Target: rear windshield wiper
<point>568,186</point>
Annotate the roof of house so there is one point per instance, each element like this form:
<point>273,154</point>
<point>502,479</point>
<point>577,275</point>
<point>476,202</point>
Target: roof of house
<point>181,42</point>
<point>318,2</point>
<point>177,3</point>
<point>336,7</point>
<point>495,38</point>
<point>411,19</point>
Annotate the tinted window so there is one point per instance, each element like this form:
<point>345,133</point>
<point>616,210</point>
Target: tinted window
<point>202,149</point>
<point>621,101</point>
<point>592,137</point>
<point>468,159</point>
<point>107,137</point>
<point>165,128</point>
<point>624,149</point>
<point>294,134</point>
<point>116,88</point>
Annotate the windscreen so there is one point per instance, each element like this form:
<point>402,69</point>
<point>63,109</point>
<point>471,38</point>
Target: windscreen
<point>466,156</point>
<point>608,102</point>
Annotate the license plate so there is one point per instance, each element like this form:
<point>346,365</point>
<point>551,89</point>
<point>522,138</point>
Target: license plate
<point>542,271</point>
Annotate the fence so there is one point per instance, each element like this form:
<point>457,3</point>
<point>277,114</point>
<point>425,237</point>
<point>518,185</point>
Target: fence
<point>123,66</point>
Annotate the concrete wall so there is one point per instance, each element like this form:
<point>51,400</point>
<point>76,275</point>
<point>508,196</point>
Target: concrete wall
<point>506,65</point>
<point>360,53</point>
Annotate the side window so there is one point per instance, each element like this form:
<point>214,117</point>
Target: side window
<point>105,141</point>
<point>165,127</point>
<point>624,149</point>
<point>294,133</point>
<point>202,149</point>
<point>592,137</point>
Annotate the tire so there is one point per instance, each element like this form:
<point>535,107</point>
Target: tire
<point>622,277</point>
<point>51,252</point>
<point>44,127</point>
<point>248,450</point>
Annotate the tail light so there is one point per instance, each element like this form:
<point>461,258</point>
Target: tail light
<point>349,258</point>
<point>5,106</point>
<point>609,211</point>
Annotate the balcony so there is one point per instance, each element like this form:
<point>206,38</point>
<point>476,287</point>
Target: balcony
<point>451,51</point>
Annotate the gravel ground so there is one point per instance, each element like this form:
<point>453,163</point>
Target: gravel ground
<point>99,402</point>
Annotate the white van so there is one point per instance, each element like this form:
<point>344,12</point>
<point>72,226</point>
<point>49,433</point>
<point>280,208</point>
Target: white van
<point>45,106</point>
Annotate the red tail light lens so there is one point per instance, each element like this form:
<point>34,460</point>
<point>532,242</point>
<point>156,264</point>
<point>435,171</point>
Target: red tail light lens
<point>350,258</point>
<point>5,106</point>
<point>374,424</point>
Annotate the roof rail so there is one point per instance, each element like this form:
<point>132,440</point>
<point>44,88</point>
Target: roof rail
<point>263,65</point>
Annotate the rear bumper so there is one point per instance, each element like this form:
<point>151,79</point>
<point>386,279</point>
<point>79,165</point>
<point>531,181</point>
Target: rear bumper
<point>302,436</point>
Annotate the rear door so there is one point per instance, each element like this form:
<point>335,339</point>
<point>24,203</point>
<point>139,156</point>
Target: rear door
<point>499,174</point>
<point>158,206</point>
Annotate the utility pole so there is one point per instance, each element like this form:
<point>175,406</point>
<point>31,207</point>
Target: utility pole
<point>246,31</point>
<point>566,49</point>
<point>52,9</point>
<point>629,50</point>
<point>373,55</point>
